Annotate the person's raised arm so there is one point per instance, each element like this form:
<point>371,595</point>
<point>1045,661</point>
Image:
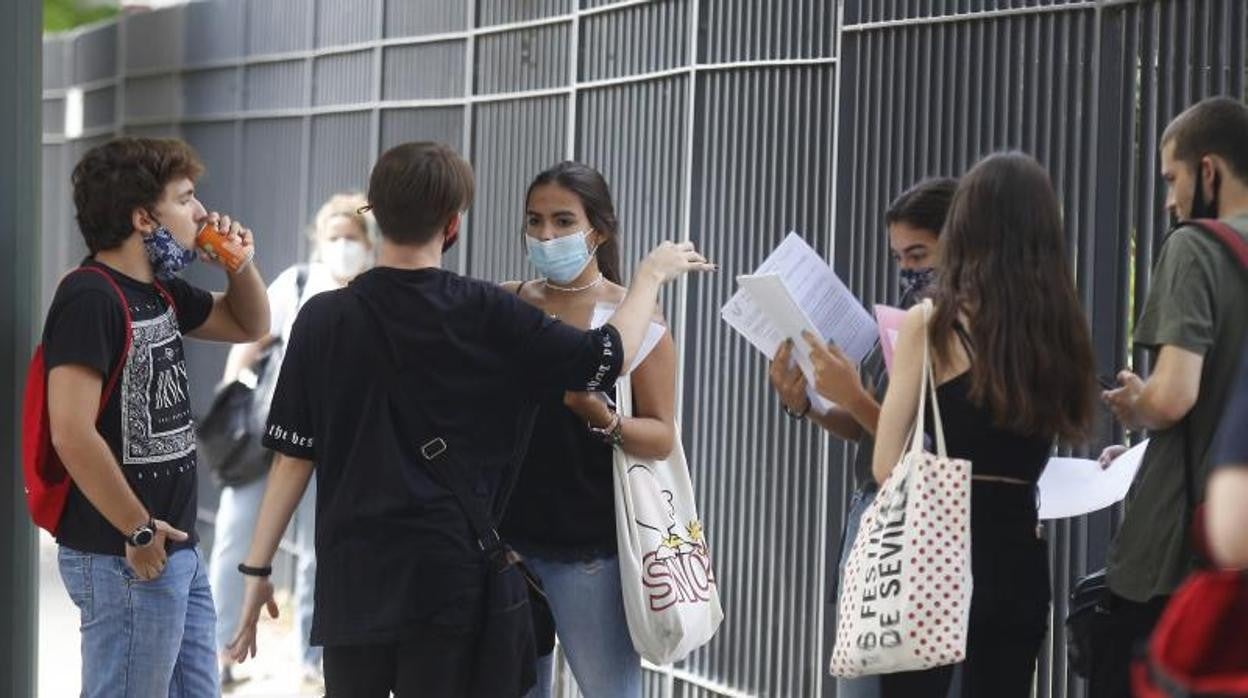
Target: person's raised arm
<point>901,402</point>
<point>667,262</point>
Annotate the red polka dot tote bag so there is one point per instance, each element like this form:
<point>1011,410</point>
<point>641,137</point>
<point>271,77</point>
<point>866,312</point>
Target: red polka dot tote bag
<point>906,589</point>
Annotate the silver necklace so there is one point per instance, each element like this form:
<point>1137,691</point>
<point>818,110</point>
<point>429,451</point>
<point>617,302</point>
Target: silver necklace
<point>573,289</point>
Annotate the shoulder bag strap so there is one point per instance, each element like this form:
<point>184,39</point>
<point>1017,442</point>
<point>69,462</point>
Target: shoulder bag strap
<point>1225,234</point>
<point>111,384</point>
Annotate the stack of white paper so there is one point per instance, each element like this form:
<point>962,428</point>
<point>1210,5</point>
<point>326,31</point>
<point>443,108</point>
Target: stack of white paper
<point>793,290</point>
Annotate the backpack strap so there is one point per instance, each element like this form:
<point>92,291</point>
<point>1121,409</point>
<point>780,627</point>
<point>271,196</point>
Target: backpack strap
<point>1225,234</point>
<point>126,342</point>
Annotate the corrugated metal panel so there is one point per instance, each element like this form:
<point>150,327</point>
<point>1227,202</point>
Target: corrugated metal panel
<point>422,17</point>
<point>340,156</point>
<point>762,167</point>
<point>738,30</point>
<point>635,135</point>
<point>156,39</point>
<point>53,116</point>
<point>277,26</point>
<point>214,91</point>
<point>639,39</point>
<point>54,62</point>
<point>511,143</point>
<point>217,145</point>
<point>271,177</point>
<point>214,31</point>
<point>95,54</point>
<point>441,124</point>
<point>98,108</point>
<point>490,12</point>
<point>526,59</point>
<point>274,85</point>
<point>159,96</point>
<point>424,71</point>
<point>890,10</point>
<point>346,21</point>
<point>343,78</point>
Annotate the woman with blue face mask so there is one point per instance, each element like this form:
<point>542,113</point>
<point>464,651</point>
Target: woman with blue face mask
<point>561,515</point>
<point>914,221</point>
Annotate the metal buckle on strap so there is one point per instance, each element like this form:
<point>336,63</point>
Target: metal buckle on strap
<point>491,541</point>
<point>433,448</point>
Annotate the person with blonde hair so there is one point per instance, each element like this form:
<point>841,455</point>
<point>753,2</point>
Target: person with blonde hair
<point>343,238</point>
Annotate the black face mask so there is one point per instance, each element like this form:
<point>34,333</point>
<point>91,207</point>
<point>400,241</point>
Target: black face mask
<point>1200,207</point>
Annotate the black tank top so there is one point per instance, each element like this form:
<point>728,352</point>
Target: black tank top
<point>971,432</point>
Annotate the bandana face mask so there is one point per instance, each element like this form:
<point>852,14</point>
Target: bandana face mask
<point>167,256</point>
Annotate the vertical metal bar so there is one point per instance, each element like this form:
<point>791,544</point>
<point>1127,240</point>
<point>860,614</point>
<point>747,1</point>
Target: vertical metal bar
<point>20,31</point>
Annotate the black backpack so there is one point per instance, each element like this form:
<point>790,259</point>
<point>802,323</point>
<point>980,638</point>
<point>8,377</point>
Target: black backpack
<point>230,434</point>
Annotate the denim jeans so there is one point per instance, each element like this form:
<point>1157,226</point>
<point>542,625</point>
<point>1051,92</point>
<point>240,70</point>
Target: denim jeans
<point>237,512</point>
<point>588,606</point>
<point>143,639</point>
<point>865,686</point>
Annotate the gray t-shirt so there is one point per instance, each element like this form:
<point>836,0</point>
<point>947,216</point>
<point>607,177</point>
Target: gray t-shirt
<point>1198,301</point>
<point>875,378</point>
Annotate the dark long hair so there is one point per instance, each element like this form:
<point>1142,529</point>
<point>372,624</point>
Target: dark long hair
<point>591,188</point>
<point>1004,264</point>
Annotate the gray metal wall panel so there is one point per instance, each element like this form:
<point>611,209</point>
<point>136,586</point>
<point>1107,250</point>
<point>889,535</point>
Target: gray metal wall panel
<point>346,21</point>
<point>511,143</point>
<point>159,96</point>
<point>95,54</point>
<point>422,17</point>
<point>635,135</point>
<point>156,40</point>
<point>525,59</point>
<point>340,156</point>
<point>274,85</point>
<point>55,72</point>
<point>424,71</point>
<point>277,26</point>
<point>638,39</point>
<point>165,130</point>
<point>762,167</point>
<point>441,124</point>
<point>59,239</point>
<point>739,30</point>
<point>53,116</point>
<point>214,31</point>
<point>98,108</point>
<point>215,91</point>
<point>271,177</point>
<point>343,78</point>
<point>491,12</point>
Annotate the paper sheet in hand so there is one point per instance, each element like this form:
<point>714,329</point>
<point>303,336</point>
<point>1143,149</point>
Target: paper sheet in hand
<point>833,312</point>
<point>604,311</point>
<point>769,294</point>
<point>1077,486</point>
<point>889,319</point>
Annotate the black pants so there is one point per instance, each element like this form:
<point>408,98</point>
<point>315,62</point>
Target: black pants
<point>1009,605</point>
<point>1125,632</point>
<point>436,665</point>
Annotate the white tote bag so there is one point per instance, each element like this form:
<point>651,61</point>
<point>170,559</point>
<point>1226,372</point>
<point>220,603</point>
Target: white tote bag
<point>671,598</point>
<point>906,589</point>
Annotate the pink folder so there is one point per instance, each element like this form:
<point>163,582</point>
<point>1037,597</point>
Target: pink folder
<point>889,320</point>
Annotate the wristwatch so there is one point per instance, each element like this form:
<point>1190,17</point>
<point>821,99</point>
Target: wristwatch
<point>143,535</point>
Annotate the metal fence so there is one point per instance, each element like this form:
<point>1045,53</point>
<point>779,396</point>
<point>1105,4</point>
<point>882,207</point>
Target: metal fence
<point>727,121</point>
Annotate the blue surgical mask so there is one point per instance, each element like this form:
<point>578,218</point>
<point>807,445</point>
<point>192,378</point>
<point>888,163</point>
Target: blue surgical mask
<point>562,259</point>
<point>167,256</point>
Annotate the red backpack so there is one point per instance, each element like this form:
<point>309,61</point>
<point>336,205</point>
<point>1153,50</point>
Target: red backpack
<point>1199,647</point>
<point>47,482</point>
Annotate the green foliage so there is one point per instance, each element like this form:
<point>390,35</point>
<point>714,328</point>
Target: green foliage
<point>62,15</point>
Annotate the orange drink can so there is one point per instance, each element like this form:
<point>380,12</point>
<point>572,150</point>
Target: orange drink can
<point>223,247</point>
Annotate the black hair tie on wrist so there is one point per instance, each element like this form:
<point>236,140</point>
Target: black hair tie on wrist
<point>255,571</point>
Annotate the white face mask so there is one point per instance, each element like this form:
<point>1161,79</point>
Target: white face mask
<point>345,258</point>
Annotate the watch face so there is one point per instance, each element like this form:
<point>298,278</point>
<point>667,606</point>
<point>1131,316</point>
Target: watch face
<point>142,537</point>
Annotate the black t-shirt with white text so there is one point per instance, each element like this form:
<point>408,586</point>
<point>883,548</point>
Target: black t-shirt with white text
<point>147,418</point>
<point>394,549</point>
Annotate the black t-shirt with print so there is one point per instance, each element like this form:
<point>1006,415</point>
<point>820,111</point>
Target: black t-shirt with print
<point>156,446</point>
<point>394,550</point>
